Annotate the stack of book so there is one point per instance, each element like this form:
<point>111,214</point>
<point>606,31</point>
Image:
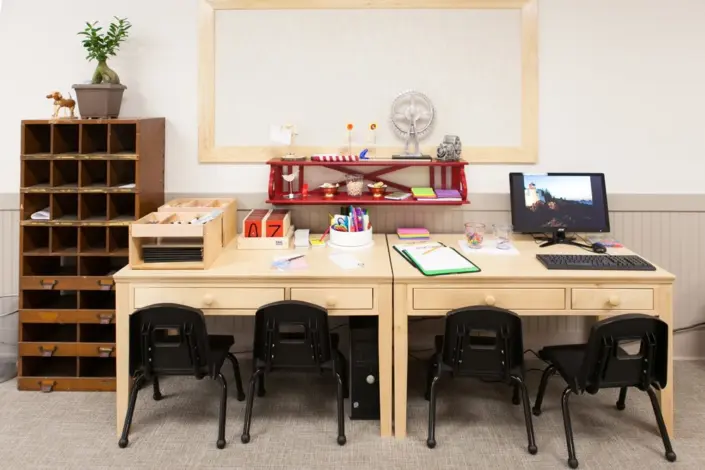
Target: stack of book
<point>430,194</point>
<point>424,194</point>
<point>413,234</point>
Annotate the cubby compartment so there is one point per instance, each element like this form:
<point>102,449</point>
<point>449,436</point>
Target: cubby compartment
<point>33,203</point>
<point>35,240</point>
<point>49,332</point>
<point>123,139</point>
<point>65,138</point>
<point>36,139</point>
<point>49,266</point>
<point>49,366</point>
<point>122,207</point>
<point>65,174</point>
<point>100,265</point>
<point>36,174</point>
<point>94,207</point>
<point>64,207</point>
<point>122,172</point>
<point>49,300</point>
<point>98,300</point>
<point>64,240</point>
<point>118,239</point>
<point>93,240</point>
<point>94,139</point>
<point>96,333</point>
<point>94,173</point>
<point>97,367</point>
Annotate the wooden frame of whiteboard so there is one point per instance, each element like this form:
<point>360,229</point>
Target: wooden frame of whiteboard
<point>209,153</point>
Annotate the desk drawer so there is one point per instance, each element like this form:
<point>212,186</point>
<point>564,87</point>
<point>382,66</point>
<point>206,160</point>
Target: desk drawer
<point>612,299</point>
<point>36,349</point>
<point>511,299</point>
<point>343,299</point>
<point>209,297</point>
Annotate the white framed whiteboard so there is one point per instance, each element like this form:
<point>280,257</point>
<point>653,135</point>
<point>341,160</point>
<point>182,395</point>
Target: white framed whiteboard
<point>321,65</point>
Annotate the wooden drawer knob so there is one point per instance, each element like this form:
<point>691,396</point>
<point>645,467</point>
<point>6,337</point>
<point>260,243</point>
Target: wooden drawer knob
<point>208,299</point>
<point>614,301</point>
<point>331,301</point>
<point>490,300</point>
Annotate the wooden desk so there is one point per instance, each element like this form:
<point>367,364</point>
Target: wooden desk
<point>521,283</point>
<point>241,281</point>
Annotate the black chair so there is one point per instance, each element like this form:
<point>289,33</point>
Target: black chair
<point>294,335</point>
<point>484,343</point>
<point>170,339</point>
<point>603,363</point>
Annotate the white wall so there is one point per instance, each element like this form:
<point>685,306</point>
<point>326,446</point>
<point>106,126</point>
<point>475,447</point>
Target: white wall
<point>621,88</point>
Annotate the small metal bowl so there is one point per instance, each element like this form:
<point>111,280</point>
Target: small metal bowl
<point>377,191</point>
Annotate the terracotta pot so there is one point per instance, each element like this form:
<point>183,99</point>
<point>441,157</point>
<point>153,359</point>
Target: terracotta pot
<point>99,101</point>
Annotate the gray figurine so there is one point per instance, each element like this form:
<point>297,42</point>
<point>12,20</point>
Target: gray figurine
<point>450,149</point>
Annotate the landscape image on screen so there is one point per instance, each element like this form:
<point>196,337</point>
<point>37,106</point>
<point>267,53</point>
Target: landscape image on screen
<point>559,201</point>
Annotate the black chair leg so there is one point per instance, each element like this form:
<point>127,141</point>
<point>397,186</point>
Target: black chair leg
<point>431,441</point>
<point>157,395</point>
<point>572,459</point>
<point>238,380</point>
<point>515,395</point>
<point>520,385</point>
<point>342,368</point>
<point>670,455</point>
<point>341,410</point>
<point>223,410</point>
<point>622,398</point>
<point>260,386</point>
<point>430,373</point>
<point>245,438</point>
<point>547,373</point>
<point>139,381</point>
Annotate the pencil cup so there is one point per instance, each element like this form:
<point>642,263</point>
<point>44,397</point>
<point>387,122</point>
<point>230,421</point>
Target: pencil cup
<point>503,234</point>
<point>474,234</point>
<point>350,239</point>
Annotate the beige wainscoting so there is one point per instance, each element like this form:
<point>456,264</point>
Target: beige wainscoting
<point>663,228</point>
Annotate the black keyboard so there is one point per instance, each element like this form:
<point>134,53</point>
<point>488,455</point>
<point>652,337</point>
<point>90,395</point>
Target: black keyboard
<point>596,262</point>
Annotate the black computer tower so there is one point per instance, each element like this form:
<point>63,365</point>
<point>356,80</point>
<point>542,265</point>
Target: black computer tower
<point>364,368</point>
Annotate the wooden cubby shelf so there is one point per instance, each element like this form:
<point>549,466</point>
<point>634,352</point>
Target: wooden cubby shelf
<point>93,178</point>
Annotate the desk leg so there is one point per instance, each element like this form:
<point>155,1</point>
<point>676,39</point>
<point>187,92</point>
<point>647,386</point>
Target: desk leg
<point>664,306</point>
<point>122,346</point>
<point>401,359</point>
<point>385,333</point>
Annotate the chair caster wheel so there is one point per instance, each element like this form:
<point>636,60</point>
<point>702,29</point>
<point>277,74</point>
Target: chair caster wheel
<point>123,443</point>
<point>342,440</point>
<point>245,438</point>
<point>573,463</point>
<point>157,396</point>
<point>240,397</point>
<point>431,443</point>
<point>671,456</point>
<point>221,443</point>
<point>536,411</point>
<point>621,406</point>
<point>516,401</point>
<point>533,450</point>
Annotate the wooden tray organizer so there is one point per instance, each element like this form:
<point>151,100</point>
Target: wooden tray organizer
<point>228,206</point>
<point>171,230</point>
<point>94,177</point>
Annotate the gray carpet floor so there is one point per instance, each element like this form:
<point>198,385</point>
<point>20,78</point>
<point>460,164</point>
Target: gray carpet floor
<point>294,427</point>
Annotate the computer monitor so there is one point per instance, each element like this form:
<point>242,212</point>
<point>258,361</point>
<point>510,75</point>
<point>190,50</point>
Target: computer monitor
<point>556,203</point>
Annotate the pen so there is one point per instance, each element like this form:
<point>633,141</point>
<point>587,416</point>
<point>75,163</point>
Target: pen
<point>324,234</point>
<point>432,249</point>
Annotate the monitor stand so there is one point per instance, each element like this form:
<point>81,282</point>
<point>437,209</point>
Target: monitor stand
<point>559,238</point>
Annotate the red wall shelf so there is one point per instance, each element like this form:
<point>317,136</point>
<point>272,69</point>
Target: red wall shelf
<point>441,175</point>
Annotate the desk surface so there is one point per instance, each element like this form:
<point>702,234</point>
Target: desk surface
<point>257,265</point>
<point>524,266</point>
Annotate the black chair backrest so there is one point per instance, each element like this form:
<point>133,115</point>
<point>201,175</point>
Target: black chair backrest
<point>483,342</point>
<point>607,364</point>
<point>168,339</point>
<point>291,334</point>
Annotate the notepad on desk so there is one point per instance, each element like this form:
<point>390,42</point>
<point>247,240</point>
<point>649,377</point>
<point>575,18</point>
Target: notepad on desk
<point>437,259</point>
<point>413,234</point>
<point>423,193</point>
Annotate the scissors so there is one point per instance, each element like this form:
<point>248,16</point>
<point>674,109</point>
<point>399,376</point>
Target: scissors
<point>340,224</point>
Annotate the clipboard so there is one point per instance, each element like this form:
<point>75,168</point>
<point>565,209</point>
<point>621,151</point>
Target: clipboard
<point>470,268</point>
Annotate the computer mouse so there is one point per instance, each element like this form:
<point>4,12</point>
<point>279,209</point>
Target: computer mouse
<point>599,248</point>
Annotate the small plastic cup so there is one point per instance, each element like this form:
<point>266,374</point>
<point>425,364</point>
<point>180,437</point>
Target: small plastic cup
<point>474,234</point>
<point>503,234</point>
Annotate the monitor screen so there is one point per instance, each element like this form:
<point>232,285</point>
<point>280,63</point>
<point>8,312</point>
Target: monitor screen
<point>571,202</point>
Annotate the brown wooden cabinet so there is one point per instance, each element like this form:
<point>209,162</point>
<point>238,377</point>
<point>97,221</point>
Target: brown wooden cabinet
<point>92,177</point>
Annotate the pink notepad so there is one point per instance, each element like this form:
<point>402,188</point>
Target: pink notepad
<point>413,233</point>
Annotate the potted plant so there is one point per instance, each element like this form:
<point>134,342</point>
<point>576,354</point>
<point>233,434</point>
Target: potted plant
<point>103,96</point>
